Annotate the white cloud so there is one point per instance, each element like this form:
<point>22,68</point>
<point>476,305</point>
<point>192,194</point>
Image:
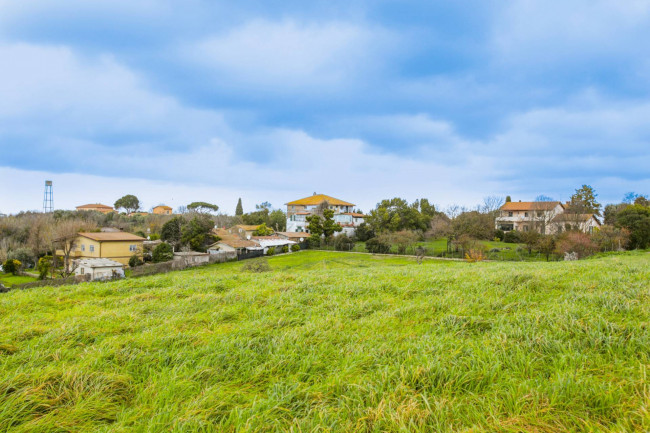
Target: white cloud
<point>290,54</point>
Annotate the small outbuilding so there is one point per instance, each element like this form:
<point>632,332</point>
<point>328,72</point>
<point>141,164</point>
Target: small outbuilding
<point>99,269</point>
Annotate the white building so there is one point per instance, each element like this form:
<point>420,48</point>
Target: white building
<point>546,217</point>
<point>344,215</point>
<point>99,269</point>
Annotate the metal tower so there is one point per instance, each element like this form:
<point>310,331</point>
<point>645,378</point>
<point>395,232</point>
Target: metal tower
<point>48,198</point>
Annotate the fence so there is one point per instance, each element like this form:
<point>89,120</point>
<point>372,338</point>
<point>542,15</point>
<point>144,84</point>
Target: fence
<point>250,255</point>
<point>179,264</point>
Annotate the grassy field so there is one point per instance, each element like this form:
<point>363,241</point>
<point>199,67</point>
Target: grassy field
<point>10,280</point>
<point>335,342</point>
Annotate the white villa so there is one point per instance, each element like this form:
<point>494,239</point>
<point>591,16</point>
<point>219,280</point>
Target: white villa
<point>344,215</point>
<point>546,217</point>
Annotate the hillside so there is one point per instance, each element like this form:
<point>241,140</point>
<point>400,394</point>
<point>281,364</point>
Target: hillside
<point>335,342</point>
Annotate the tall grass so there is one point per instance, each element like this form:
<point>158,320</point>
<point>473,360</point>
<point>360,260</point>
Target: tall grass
<point>335,342</point>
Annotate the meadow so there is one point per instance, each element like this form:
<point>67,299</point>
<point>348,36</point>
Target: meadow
<point>336,342</point>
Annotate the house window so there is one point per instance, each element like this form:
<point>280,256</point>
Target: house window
<point>133,248</point>
<point>83,247</point>
<point>92,248</point>
<point>525,214</point>
<point>82,271</point>
<point>509,214</point>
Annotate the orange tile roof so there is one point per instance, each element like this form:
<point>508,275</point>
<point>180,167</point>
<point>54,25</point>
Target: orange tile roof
<point>247,228</point>
<point>530,205</point>
<point>112,236</point>
<point>355,215</point>
<point>163,207</point>
<point>94,206</point>
<point>317,199</point>
<point>294,234</point>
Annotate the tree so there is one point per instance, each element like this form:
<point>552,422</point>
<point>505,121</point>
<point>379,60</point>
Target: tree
<point>239,210</point>
<point>583,201</point>
<point>129,203</point>
<point>315,226</point>
<point>260,216</point>
<point>364,232</point>
<point>197,233</point>
<point>278,220</point>
<point>135,261</point>
<point>402,239</point>
<point>262,230</point>
<point>475,224</point>
<point>508,199</point>
<point>44,266</point>
<point>163,253</point>
<point>329,225</point>
<point>543,197</point>
<point>546,245</point>
<point>642,201</point>
<point>578,243</point>
<point>171,231</point>
<point>66,233</point>
<point>375,246</point>
<point>531,239</point>
<point>202,207</point>
<point>492,204</point>
<point>440,227</point>
<point>396,214</point>
<point>610,238</point>
<point>636,219</point>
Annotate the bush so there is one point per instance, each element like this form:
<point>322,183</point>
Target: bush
<point>23,255</point>
<point>314,242</point>
<point>375,246</point>
<point>578,243</point>
<point>270,251</point>
<point>12,266</point>
<point>285,248</point>
<point>163,253</point>
<point>511,237</point>
<point>154,237</point>
<point>44,266</point>
<point>257,265</point>
<point>499,234</point>
<point>343,243</point>
<point>295,247</point>
<point>135,261</point>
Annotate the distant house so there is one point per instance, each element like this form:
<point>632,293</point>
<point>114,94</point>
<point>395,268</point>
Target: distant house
<point>162,210</point>
<point>117,246</point>
<point>243,231</point>
<point>294,236</point>
<point>528,215</point>
<point>586,223</point>
<point>192,257</point>
<point>234,244</point>
<point>96,207</point>
<point>276,242</point>
<point>299,210</point>
<point>99,269</point>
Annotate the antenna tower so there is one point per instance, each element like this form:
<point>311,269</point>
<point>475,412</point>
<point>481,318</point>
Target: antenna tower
<point>48,198</point>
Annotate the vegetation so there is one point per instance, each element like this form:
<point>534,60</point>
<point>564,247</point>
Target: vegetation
<point>162,253</point>
<point>263,230</point>
<point>202,207</point>
<point>335,342</point>
<point>129,203</point>
<point>239,210</point>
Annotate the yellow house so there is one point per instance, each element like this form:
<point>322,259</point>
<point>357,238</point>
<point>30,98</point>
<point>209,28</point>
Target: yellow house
<point>162,210</point>
<point>118,246</point>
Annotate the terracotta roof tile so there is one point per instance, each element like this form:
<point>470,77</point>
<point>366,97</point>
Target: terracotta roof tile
<point>317,199</point>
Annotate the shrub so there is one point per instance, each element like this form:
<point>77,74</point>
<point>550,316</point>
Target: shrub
<point>498,235</point>
<point>314,242</point>
<point>285,248</point>
<point>163,253</point>
<point>135,261</point>
<point>23,255</point>
<point>257,265</point>
<point>343,243</point>
<point>375,246</point>
<point>511,237</point>
<point>44,266</point>
<point>154,237</point>
<point>576,242</point>
<point>475,255</point>
<point>295,247</point>
<point>270,251</point>
<point>12,266</point>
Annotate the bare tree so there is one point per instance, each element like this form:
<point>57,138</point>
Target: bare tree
<point>66,233</point>
<point>40,235</point>
<point>491,204</point>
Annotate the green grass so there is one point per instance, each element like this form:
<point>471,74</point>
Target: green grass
<point>335,342</point>
<point>11,280</point>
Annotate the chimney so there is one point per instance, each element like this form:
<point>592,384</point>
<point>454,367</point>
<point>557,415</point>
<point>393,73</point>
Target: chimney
<point>314,193</point>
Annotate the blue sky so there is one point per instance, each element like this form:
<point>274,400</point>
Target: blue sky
<point>209,100</point>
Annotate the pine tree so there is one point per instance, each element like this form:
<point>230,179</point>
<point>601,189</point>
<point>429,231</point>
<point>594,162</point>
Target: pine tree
<point>240,209</point>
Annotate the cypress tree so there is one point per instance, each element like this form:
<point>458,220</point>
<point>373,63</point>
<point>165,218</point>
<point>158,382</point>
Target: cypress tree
<point>240,209</point>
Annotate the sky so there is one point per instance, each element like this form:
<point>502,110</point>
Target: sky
<point>207,100</point>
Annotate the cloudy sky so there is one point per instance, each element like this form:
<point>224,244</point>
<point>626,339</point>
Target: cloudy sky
<point>363,100</point>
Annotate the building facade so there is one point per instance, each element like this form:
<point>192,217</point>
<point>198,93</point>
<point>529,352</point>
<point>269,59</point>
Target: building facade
<point>299,210</point>
<point>117,246</point>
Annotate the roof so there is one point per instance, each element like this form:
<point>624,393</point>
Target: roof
<point>247,228</point>
<point>236,243</point>
<point>530,205</point>
<point>112,236</point>
<point>162,206</point>
<point>355,215</point>
<point>574,217</point>
<point>277,242</point>
<point>303,213</point>
<point>94,206</point>
<point>317,199</point>
<point>295,235</point>
<point>189,254</point>
<point>99,263</point>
